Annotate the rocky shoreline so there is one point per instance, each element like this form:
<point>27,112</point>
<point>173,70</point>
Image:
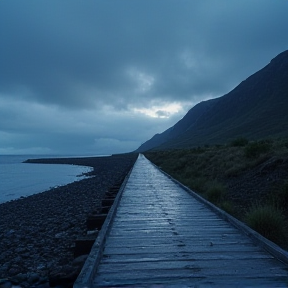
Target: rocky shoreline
<point>37,233</point>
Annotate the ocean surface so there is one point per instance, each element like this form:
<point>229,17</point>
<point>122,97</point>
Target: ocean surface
<point>19,179</point>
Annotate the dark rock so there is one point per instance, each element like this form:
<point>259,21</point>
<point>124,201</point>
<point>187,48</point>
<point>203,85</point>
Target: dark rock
<point>4,283</point>
<point>105,209</point>
<point>65,277</point>
<point>19,278</point>
<point>43,280</point>
<point>95,221</point>
<point>14,270</point>
<point>107,202</point>
<point>83,246</point>
<point>20,250</point>
<point>10,233</point>
<point>43,285</point>
<point>79,261</point>
<point>24,285</point>
<point>33,278</point>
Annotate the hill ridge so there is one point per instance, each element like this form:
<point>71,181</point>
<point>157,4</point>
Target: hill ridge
<point>256,108</point>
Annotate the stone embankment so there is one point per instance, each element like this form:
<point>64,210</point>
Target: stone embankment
<point>38,233</point>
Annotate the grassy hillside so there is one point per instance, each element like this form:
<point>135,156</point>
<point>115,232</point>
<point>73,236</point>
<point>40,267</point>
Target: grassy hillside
<point>247,179</point>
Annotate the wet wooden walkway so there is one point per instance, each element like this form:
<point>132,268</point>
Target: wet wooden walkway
<point>161,236</point>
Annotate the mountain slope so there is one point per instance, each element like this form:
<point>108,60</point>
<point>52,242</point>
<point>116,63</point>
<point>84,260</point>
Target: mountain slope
<point>256,108</point>
<point>180,127</point>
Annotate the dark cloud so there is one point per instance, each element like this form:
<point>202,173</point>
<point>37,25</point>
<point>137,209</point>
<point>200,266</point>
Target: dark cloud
<point>89,55</point>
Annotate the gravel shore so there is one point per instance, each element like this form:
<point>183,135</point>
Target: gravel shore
<point>37,233</point>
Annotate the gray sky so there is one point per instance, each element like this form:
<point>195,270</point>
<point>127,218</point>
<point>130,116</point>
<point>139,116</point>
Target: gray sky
<point>101,77</point>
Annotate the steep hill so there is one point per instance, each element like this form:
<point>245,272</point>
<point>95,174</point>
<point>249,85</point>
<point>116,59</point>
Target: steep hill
<point>180,127</point>
<point>257,108</point>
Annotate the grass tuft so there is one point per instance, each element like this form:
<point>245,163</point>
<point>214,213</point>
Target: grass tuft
<point>269,221</point>
<point>255,149</point>
<point>239,142</point>
<point>228,207</point>
<point>280,196</point>
<point>215,192</point>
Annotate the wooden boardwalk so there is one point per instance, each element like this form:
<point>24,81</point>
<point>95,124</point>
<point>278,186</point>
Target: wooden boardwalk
<point>161,236</point>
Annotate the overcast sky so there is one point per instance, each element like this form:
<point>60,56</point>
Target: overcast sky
<point>104,76</point>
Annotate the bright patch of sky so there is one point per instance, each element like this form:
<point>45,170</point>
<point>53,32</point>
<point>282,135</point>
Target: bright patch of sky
<point>161,111</point>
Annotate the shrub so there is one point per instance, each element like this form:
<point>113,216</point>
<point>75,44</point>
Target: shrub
<point>228,207</point>
<point>269,221</point>
<point>215,192</point>
<point>196,184</point>
<point>255,149</point>
<point>239,142</point>
<point>280,196</point>
<point>235,170</point>
<point>283,195</point>
<point>199,150</point>
<point>180,164</point>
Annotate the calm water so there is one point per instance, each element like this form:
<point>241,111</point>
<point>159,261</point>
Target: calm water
<point>22,179</point>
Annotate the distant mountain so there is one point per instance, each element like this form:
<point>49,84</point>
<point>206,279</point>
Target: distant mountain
<point>257,108</point>
<point>180,127</point>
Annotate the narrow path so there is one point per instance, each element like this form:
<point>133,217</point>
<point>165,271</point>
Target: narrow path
<point>162,237</point>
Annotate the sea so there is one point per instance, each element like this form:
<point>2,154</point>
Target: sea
<point>19,179</point>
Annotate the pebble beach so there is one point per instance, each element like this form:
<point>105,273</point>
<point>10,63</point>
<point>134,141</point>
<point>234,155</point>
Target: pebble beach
<point>37,233</point>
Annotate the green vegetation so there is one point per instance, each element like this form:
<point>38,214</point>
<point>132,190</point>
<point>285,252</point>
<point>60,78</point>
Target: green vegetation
<point>283,195</point>
<point>255,149</point>
<point>215,192</point>
<point>269,221</point>
<point>239,142</point>
<point>279,196</point>
<point>210,170</point>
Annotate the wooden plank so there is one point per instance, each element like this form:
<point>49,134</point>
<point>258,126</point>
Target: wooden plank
<point>256,266</point>
<point>179,243</point>
<point>189,256</point>
<point>192,276</point>
<point>180,248</point>
<point>154,241</point>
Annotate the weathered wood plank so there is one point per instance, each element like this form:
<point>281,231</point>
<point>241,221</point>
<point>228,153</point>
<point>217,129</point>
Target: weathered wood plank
<point>211,267</point>
<point>184,248</point>
<point>189,256</point>
<point>152,241</point>
<point>193,276</point>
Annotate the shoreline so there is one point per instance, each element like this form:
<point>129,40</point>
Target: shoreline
<point>36,178</point>
<point>37,233</point>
